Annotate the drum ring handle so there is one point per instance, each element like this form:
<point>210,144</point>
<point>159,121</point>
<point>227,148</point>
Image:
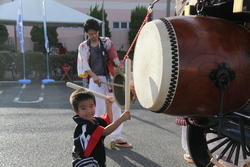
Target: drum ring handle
<point>222,76</point>
<point>200,6</point>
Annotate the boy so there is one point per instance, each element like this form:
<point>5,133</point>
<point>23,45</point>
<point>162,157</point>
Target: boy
<point>91,130</point>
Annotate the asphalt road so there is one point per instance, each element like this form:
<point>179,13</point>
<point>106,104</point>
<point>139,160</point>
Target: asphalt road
<point>37,131</point>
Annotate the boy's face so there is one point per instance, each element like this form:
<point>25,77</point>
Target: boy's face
<point>86,109</point>
<point>93,35</point>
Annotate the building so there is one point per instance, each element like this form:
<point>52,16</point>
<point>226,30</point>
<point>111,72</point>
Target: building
<point>119,12</point>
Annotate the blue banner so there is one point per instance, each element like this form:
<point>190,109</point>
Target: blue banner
<point>19,25</point>
<point>45,29</point>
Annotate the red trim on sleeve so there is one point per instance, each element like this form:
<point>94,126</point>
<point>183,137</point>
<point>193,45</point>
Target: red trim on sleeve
<point>112,53</point>
<point>110,67</point>
<point>94,138</point>
<point>106,118</point>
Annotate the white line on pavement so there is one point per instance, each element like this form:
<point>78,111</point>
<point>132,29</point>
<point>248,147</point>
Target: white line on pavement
<point>37,101</point>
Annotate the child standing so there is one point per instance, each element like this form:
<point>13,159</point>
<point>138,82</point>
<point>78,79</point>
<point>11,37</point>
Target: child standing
<point>91,130</point>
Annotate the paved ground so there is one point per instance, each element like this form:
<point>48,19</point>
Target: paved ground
<point>37,127</point>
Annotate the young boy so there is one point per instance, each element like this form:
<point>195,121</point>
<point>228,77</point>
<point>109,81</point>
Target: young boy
<point>91,130</point>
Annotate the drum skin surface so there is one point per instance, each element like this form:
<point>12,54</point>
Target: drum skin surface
<point>174,57</point>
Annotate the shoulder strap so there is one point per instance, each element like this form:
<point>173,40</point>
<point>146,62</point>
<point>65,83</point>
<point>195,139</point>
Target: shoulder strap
<point>88,44</point>
<point>102,47</point>
<point>94,138</point>
<point>104,54</point>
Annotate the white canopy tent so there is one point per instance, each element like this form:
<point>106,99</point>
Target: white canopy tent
<point>57,14</point>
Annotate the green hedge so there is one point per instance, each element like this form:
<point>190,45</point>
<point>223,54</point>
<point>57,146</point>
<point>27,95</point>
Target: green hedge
<point>38,61</point>
<point>34,60</point>
<point>60,60</point>
<point>4,59</point>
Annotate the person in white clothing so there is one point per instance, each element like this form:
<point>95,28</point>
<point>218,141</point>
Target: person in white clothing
<point>97,57</point>
<point>54,50</point>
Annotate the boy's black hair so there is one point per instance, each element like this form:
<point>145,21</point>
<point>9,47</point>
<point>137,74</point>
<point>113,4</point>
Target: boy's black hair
<point>80,95</point>
<point>91,24</point>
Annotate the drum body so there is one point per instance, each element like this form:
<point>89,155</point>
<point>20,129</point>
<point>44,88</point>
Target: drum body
<point>174,57</point>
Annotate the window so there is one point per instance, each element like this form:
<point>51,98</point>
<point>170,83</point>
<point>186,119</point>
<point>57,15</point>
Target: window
<point>124,25</point>
<point>115,25</point>
<point>121,25</point>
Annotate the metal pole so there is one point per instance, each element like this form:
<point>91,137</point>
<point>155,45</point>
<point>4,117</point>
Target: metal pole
<point>46,45</point>
<point>168,8</point>
<point>15,36</point>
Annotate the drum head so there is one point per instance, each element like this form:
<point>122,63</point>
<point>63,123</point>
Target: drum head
<point>119,92</point>
<point>154,63</point>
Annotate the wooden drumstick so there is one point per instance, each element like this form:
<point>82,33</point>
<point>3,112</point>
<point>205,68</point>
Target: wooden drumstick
<point>114,84</point>
<point>127,83</point>
<point>75,86</point>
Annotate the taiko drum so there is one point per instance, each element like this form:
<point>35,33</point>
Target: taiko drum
<point>174,58</point>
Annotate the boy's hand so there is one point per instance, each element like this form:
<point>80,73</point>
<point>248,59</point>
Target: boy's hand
<point>126,115</point>
<point>120,67</point>
<point>109,100</point>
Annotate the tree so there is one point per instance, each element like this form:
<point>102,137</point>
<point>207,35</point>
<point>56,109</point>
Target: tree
<point>94,12</point>
<point>3,34</point>
<point>37,36</point>
<point>136,19</point>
